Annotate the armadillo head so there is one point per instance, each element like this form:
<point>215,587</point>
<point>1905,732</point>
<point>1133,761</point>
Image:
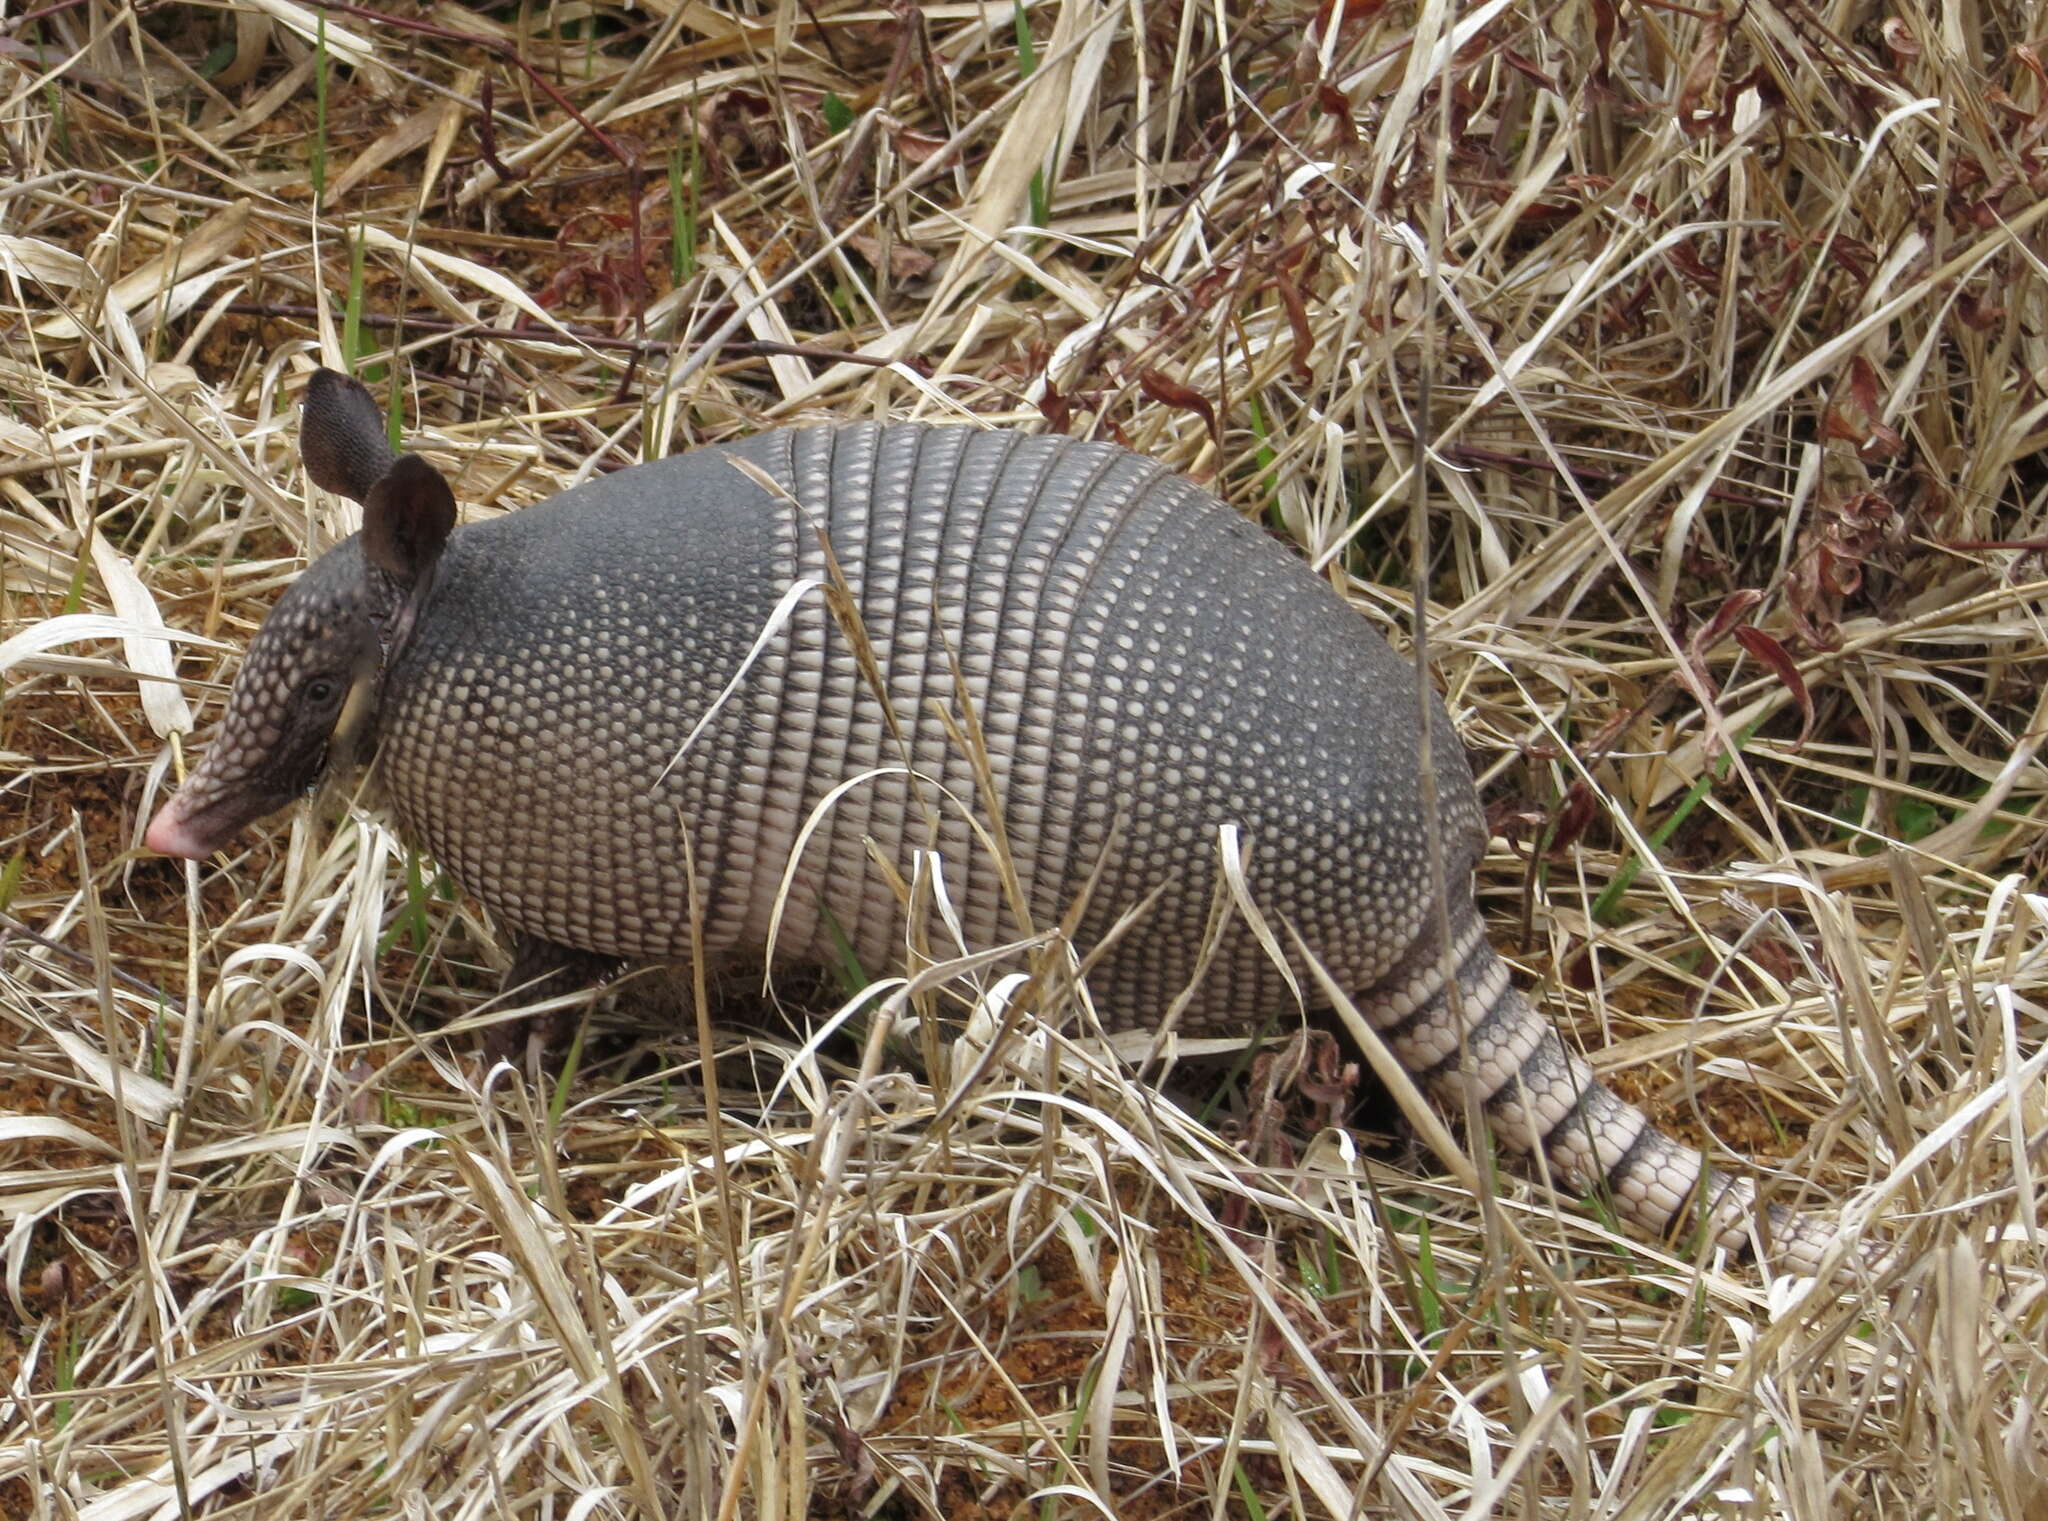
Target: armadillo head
<point>305,694</point>
<point>307,697</point>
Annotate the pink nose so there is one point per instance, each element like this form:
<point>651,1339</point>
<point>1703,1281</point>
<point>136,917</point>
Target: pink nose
<point>170,835</point>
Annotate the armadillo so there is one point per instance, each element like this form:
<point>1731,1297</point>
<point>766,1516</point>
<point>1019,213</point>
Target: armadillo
<point>567,705</point>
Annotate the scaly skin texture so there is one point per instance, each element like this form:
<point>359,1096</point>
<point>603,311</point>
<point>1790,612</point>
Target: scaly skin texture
<point>1147,668</point>
<point>1115,627</point>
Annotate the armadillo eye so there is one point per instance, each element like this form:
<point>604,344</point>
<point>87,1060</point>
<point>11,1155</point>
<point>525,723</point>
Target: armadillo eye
<point>320,690</point>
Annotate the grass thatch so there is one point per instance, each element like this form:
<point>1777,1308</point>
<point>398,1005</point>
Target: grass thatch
<point>1721,332</point>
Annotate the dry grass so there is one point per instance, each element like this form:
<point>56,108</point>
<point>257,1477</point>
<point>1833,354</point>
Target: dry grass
<point>1698,313</point>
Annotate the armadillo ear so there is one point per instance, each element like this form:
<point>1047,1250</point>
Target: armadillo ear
<point>407,517</point>
<point>341,436</point>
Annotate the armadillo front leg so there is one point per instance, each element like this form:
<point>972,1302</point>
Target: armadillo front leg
<point>542,970</point>
<point>1539,1096</point>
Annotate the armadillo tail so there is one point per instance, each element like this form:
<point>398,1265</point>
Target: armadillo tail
<point>1539,1096</point>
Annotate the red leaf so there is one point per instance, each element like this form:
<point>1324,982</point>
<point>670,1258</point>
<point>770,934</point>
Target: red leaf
<point>1297,318</point>
<point>1726,616</point>
<point>906,262</point>
<point>1607,26</point>
<point>1171,393</point>
<point>1853,414</point>
<point>1863,383</point>
<point>1573,815</point>
<point>1980,313</point>
<point>915,147</point>
<point>1773,654</point>
<point>1055,408</point>
<point>1343,11</point>
<point>1527,69</point>
<point>1336,105</point>
<point>1853,255</point>
<point>1688,263</point>
<point>2032,60</point>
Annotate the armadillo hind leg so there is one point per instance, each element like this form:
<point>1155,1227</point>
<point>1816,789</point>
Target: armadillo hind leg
<point>1540,1096</point>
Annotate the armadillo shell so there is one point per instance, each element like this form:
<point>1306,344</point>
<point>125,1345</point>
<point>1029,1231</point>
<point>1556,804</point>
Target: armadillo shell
<point>599,678</point>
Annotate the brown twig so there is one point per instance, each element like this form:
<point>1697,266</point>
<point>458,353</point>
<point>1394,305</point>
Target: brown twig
<point>634,346</point>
